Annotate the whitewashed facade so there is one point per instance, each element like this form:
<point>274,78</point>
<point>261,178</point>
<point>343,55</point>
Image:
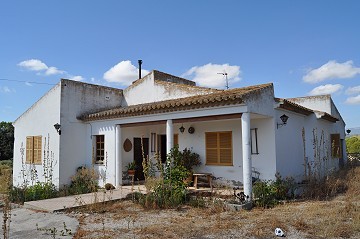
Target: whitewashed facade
<point>156,106</point>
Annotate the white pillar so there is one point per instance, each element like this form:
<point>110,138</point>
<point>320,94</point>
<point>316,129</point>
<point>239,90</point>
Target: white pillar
<point>169,136</point>
<point>246,151</point>
<point>118,160</point>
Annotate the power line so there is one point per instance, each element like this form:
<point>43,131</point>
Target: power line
<point>30,82</point>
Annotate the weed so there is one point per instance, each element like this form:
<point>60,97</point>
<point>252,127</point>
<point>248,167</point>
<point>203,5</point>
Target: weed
<point>7,206</point>
<point>84,181</point>
<point>53,231</point>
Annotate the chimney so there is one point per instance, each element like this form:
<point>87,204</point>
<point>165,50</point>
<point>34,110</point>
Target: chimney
<point>140,62</point>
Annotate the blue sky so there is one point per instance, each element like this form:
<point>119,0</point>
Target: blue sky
<point>303,47</point>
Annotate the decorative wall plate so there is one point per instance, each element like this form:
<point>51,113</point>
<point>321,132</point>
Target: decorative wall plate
<point>191,130</point>
<point>127,145</point>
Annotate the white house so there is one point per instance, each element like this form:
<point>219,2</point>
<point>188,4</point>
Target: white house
<point>234,131</point>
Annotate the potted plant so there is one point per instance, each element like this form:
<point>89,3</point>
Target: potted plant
<point>131,167</point>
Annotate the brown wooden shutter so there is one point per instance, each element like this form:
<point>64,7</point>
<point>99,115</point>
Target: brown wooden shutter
<point>37,149</point>
<point>211,148</point>
<point>176,139</point>
<point>225,143</point>
<point>29,149</point>
<point>218,148</point>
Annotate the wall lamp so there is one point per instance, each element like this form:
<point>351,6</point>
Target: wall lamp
<point>284,118</point>
<point>57,126</point>
<point>348,131</point>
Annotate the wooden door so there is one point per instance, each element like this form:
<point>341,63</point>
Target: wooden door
<point>138,156</point>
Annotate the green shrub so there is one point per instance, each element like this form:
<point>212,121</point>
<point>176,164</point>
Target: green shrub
<point>40,191</point>
<point>268,193</point>
<point>8,163</point>
<point>169,189</point>
<point>17,195</point>
<point>264,194</point>
<point>37,191</point>
<point>186,158</point>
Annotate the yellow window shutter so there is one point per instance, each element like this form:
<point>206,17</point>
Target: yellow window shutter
<point>29,149</point>
<point>211,148</point>
<point>37,149</point>
<point>225,141</point>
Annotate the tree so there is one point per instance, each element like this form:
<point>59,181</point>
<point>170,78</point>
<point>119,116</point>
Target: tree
<point>6,141</point>
<point>353,145</point>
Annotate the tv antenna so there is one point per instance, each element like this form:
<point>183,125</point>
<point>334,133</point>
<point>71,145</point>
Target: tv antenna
<point>227,82</point>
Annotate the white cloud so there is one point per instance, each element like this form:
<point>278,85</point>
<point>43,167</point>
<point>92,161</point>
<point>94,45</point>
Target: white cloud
<point>33,65</point>
<point>353,90</point>
<point>326,89</point>
<point>124,73</point>
<point>28,84</point>
<point>207,75</point>
<point>332,70</point>
<point>40,67</point>
<point>353,100</point>
<point>53,71</point>
<point>77,78</point>
<point>5,89</point>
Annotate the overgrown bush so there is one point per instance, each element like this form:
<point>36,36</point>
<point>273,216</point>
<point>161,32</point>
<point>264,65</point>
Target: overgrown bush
<point>186,158</point>
<point>268,193</point>
<point>84,181</point>
<point>169,189</point>
<point>329,186</point>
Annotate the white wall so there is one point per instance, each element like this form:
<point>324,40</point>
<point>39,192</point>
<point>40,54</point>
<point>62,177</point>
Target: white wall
<point>290,145</point>
<point>320,103</point>
<point>38,120</point>
<point>264,161</point>
<point>147,90</point>
<point>79,98</point>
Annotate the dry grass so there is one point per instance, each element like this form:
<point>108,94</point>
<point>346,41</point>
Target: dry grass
<point>338,217</point>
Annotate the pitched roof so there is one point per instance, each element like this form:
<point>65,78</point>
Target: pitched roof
<point>291,106</point>
<point>218,98</point>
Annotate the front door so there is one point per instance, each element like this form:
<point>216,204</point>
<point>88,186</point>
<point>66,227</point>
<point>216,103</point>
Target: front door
<point>138,156</point>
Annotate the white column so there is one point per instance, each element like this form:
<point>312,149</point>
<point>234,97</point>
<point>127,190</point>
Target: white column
<point>169,136</point>
<point>246,151</point>
<point>118,160</point>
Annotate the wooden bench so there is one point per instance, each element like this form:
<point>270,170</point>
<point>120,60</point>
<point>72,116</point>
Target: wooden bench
<point>208,177</point>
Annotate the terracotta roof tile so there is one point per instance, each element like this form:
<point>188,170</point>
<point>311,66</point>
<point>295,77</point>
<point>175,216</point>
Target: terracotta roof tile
<point>218,98</point>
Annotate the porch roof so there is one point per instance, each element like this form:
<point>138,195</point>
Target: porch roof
<point>220,98</point>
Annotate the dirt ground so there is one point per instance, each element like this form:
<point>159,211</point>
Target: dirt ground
<point>317,219</point>
<point>336,217</point>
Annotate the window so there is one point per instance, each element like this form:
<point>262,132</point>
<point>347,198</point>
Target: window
<point>335,146</point>
<point>218,148</point>
<point>253,141</point>
<point>33,149</point>
<point>100,149</point>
